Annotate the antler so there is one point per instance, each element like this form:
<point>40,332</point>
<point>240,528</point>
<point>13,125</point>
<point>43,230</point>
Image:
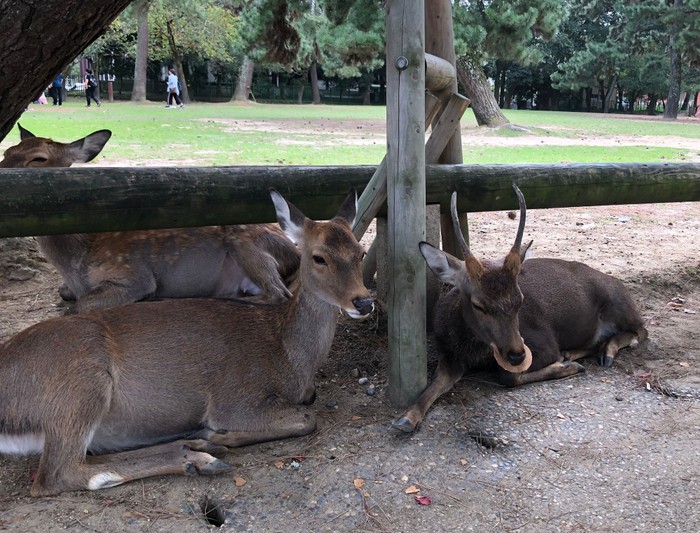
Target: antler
<point>455,224</point>
<point>521,225</point>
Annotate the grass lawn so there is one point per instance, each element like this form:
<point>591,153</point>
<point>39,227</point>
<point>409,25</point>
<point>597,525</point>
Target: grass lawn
<point>269,134</point>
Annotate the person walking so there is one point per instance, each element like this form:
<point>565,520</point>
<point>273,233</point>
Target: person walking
<point>56,91</point>
<point>173,89</point>
<point>90,86</point>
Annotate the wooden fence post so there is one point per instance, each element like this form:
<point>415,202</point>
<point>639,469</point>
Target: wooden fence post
<point>405,58</point>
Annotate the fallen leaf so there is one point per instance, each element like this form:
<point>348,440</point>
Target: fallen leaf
<point>423,500</point>
<point>559,415</point>
<point>358,482</point>
<point>684,364</point>
<point>356,418</point>
<point>404,478</point>
<point>463,462</point>
<point>239,481</point>
<point>412,490</point>
<point>279,464</point>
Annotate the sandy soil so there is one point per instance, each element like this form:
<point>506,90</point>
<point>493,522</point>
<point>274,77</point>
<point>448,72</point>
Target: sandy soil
<point>609,450</point>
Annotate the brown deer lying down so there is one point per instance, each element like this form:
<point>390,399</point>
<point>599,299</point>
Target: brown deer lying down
<point>141,376</point>
<point>108,269</point>
<point>531,318</point>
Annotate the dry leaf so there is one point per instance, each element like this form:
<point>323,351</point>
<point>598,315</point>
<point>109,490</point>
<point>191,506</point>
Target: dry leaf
<point>359,483</point>
<point>404,478</point>
<point>356,418</point>
<point>463,462</point>
<point>279,464</point>
<point>684,364</point>
<point>239,481</point>
<point>423,500</point>
<point>412,490</point>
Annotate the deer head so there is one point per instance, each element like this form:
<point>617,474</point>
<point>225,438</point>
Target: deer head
<point>331,257</point>
<point>39,152</point>
<point>490,297</point>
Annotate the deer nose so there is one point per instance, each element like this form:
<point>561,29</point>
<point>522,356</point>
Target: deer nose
<point>364,306</point>
<point>516,358</point>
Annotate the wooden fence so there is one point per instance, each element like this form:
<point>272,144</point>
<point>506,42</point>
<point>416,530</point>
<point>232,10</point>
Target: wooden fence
<point>88,199</point>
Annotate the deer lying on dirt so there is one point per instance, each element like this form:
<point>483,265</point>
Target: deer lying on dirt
<point>532,318</point>
<point>176,380</point>
<point>108,269</point>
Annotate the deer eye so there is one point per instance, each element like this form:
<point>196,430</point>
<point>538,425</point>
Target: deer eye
<point>478,307</point>
<point>38,161</point>
<point>319,260</point>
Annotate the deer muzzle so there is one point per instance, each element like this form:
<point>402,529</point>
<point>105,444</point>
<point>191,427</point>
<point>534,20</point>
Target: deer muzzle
<point>363,307</point>
<point>513,362</point>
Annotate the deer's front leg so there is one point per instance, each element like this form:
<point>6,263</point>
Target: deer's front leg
<point>444,379</point>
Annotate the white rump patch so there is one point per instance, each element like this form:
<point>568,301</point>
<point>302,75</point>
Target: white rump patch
<point>104,480</point>
<point>27,444</point>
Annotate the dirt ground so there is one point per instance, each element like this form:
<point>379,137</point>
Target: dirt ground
<point>609,450</point>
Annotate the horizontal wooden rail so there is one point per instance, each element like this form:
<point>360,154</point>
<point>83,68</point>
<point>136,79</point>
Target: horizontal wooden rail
<point>51,201</point>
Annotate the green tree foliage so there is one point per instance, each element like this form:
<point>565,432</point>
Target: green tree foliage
<point>503,30</point>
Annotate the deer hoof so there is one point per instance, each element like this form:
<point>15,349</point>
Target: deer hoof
<point>605,360</point>
<point>404,425</point>
<point>215,467</point>
<point>576,368</point>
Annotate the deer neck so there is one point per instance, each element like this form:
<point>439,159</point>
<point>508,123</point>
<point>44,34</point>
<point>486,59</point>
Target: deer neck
<point>68,253</point>
<point>307,335</point>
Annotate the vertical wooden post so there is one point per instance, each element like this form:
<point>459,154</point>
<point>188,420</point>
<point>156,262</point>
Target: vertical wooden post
<point>440,42</point>
<point>405,74</point>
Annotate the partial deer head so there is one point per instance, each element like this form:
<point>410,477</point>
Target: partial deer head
<point>490,295</point>
<point>39,152</point>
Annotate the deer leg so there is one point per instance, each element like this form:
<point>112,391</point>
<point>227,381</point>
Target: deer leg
<point>275,423</point>
<point>262,269</point>
<point>114,292</point>
<point>575,355</point>
<point>444,379</point>
<point>557,370</point>
<point>110,470</point>
<point>617,342</point>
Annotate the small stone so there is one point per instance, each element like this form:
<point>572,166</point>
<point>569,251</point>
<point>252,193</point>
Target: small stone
<point>363,381</point>
<point>332,405</point>
<point>370,390</point>
<point>355,372</point>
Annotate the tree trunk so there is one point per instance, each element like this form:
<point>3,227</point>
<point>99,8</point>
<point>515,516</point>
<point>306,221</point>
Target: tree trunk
<point>674,77</point>
<point>316,94</point>
<point>651,106</point>
<point>300,90</point>
<point>245,80</point>
<point>138,93</point>
<point>609,95</point>
<point>34,47</point>
<point>177,58</point>
<point>476,88</point>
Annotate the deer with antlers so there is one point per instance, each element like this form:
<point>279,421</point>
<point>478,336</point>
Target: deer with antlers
<point>531,318</point>
<point>108,269</point>
<point>155,388</point>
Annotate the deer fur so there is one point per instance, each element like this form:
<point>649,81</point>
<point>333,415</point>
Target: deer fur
<point>154,388</point>
<point>530,319</point>
<point>108,269</point>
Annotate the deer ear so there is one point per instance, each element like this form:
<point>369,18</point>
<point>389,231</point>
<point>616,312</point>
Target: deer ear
<point>87,148</point>
<point>446,267</point>
<point>525,251</point>
<point>24,133</point>
<point>348,210</point>
<point>290,219</point>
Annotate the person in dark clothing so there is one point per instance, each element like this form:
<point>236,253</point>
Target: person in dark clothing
<point>56,91</point>
<point>90,86</point>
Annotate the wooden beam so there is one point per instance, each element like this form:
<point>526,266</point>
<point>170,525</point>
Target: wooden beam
<point>439,74</point>
<point>405,129</point>
<point>75,200</point>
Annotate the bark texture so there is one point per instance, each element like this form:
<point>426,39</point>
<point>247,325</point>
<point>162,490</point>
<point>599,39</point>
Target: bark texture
<point>244,81</point>
<point>38,38</point>
<point>477,89</point>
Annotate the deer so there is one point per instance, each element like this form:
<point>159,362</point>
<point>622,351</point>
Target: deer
<point>114,268</point>
<point>530,319</point>
<point>157,388</point>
